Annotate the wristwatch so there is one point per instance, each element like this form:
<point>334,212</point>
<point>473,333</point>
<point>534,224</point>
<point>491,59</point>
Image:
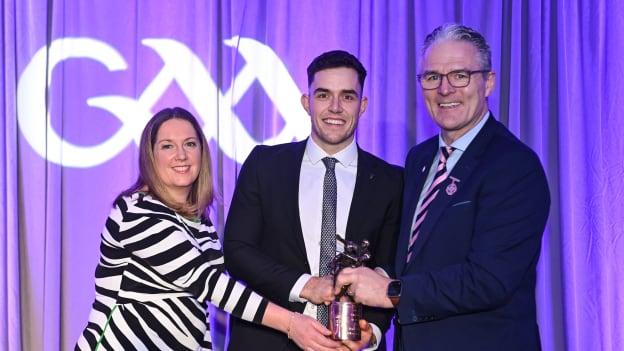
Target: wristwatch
<point>394,292</point>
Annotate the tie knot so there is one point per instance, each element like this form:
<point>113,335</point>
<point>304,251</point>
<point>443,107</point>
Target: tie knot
<point>330,162</point>
<point>446,152</point>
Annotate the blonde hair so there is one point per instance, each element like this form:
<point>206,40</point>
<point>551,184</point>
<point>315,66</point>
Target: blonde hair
<point>201,194</point>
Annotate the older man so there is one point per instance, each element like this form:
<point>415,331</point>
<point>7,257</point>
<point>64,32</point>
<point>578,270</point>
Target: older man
<point>475,205</point>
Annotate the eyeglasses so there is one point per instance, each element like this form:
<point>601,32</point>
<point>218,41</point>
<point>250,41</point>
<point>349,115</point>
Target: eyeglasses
<point>457,79</point>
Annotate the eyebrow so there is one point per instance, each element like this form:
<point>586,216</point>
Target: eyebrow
<point>454,70</point>
<point>169,140</point>
<point>345,91</point>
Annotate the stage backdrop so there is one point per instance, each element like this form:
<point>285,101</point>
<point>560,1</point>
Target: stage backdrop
<point>79,79</point>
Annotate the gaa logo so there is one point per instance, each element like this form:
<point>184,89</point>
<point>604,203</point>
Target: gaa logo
<point>181,66</point>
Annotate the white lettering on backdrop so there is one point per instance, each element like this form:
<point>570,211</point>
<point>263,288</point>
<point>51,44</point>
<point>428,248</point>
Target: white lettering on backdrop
<point>181,65</point>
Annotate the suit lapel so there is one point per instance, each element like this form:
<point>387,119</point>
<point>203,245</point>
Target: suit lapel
<point>289,183</point>
<point>362,196</point>
<point>462,171</point>
<point>418,172</point>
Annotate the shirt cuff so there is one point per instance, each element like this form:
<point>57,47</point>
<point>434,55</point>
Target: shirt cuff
<point>377,333</point>
<point>382,272</point>
<point>296,289</point>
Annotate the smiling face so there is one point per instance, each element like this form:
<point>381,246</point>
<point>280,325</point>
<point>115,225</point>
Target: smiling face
<point>177,157</point>
<point>335,105</point>
<point>456,110</point>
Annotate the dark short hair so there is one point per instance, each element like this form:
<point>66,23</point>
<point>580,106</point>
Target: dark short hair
<point>459,32</point>
<point>336,59</point>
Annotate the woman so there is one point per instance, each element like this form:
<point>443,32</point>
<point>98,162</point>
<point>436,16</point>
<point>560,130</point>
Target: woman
<point>161,261</point>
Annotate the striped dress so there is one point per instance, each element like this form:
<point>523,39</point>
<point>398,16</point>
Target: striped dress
<point>156,275</point>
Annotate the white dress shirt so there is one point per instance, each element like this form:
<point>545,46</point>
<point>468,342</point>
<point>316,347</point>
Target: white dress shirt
<point>460,146</point>
<point>311,205</point>
<point>311,179</point>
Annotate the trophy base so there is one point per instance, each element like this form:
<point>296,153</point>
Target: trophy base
<point>344,317</point>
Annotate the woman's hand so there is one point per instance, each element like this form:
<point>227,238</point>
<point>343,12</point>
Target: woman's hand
<point>366,341</point>
<point>309,334</point>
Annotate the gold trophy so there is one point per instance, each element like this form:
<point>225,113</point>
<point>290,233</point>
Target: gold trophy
<point>344,312</point>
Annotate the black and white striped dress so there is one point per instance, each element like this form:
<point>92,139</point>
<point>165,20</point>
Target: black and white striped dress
<point>156,275</point>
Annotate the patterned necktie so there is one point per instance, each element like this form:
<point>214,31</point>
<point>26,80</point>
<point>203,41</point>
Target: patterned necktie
<point>328,228</point>
<point>432,192</point>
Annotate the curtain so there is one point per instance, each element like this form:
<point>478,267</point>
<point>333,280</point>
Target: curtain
<point>79,79</point>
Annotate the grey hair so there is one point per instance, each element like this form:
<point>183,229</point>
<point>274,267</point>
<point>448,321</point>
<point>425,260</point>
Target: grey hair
<point>458,32</point>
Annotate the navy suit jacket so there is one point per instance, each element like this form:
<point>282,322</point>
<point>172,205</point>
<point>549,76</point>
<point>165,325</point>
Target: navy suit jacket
<point>263,239</point>
<point>470,284</point>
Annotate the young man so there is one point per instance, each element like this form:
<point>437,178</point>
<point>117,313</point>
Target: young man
<point>292,200</point>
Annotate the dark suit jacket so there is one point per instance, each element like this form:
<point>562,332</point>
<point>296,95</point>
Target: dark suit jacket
<point>471,282</point>
<point>263,240</point>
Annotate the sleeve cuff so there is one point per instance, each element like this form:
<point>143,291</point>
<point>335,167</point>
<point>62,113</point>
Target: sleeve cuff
<point>296,289</point>
<point>382,272</point>
<point>377,333</point>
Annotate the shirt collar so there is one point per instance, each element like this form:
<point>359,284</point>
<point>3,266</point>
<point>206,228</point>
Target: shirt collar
<point>464,141</point>
<point>346,157</point>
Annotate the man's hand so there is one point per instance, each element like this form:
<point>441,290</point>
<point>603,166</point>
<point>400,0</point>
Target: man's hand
<point>319,290</point>
<point>309,334</point>
<point>366,286</point>
<point>365,340</point>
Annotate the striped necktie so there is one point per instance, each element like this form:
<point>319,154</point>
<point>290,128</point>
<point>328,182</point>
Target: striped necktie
<point>432,192</point>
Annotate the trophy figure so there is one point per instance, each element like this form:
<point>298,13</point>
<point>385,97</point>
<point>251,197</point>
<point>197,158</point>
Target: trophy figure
<point>344,312</point>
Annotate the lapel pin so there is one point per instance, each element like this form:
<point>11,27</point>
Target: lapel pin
<point>452,188</point>
<point>423,169</point>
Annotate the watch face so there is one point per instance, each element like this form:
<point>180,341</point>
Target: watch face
<point>394,288</point>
